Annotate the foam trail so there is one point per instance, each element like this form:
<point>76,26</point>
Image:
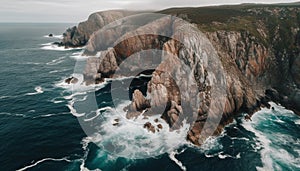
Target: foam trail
<point>51,46</point>
<point>179,163</point>
<point>43,160</point>
<point>54,36</point>
<point>57,100</point>
<point>85,142</point>
<point>79,56</point>
<point>221,155</point>
<point>11,114</point>
<point>5,97</point>
<point>73,110</point>
<point>31,63</point>
<point>74,95</point>
<point>38,90</point>
<point>297,122</point>
<point>57,71</point>
<point>20,49</point>
<point>50,115</point>
<point>56,61</point>
<point>98,113</point>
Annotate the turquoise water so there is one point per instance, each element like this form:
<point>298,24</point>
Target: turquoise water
<point>38,131</point>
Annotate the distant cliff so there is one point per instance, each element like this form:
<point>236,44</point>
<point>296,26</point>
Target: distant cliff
<point>78,36</point>
<point>258,46</point>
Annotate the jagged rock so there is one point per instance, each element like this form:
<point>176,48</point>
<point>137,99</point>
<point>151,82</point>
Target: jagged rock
<point>71,80</point>
<point>248,118</point>
<point>116,122</point>
<point>253,62</point>
<point>149,127</point>
<point>78,36</point>
<point>159,126</point>
<point>139,103</point>
<point>295,69</point>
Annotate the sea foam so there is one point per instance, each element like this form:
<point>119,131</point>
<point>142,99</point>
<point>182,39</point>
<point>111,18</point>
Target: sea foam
<point>54,36</point>
<point>268,143</point>
<point>51,46</point>
<point>41,161</point>
<point>38,90</point>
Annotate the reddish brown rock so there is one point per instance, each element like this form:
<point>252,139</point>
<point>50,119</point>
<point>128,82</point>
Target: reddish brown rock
<point>149,127</point>
<point>253,62</point>
<point>71,80</point>
<point>159,126</point>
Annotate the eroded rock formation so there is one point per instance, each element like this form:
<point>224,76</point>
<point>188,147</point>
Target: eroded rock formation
<point>78,36</point>
<point>259,65</point>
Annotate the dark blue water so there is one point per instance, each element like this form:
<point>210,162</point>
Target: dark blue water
<point>38,131</point>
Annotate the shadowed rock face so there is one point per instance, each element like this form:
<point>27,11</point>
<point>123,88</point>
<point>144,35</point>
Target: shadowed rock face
<point>254,71</point>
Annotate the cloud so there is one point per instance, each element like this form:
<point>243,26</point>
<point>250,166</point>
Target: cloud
<point>78,10</point>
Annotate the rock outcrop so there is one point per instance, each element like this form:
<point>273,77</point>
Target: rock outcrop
<point>78,36</point>
<point>71,80</point>
<point>260,59</point>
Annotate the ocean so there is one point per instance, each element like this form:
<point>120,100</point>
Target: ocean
<point>39,129</point>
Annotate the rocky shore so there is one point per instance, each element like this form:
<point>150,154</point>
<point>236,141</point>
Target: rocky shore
<point>258,47</point>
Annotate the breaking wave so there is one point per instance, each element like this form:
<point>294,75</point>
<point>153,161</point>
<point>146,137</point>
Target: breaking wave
<point>268,125</point>
<point>51,46</point>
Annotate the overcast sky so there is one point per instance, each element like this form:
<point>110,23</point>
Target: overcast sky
<point>78,10</point>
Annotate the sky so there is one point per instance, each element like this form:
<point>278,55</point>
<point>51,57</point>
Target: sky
<point>73,11</point>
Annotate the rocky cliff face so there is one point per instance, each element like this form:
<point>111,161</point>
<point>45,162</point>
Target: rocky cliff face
<point>260,60</point>
<point>262,41</point>
<point>78,36</point>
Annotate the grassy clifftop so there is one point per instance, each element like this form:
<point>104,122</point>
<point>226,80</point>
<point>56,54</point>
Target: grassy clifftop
<point>262,21</point>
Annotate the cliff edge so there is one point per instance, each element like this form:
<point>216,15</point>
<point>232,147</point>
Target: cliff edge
<point>258,47</point>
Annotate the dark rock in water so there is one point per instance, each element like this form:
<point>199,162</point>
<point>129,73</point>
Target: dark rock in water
<point>71,80</point>
<point>149,127</point>
<point>116,122</point>
<point>58,43</point>
<point>248,118</point>
<point>50,35</point>
<point>160,126</point>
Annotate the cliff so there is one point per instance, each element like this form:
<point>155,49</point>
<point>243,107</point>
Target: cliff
<point>258,47</point>
<point>261,40</point>
<point>78,36</point>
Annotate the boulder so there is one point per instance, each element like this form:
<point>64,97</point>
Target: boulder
<point>149,127</point>
<point>71,80</point>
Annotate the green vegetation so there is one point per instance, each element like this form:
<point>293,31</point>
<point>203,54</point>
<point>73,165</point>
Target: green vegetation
<point>276,20</point>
